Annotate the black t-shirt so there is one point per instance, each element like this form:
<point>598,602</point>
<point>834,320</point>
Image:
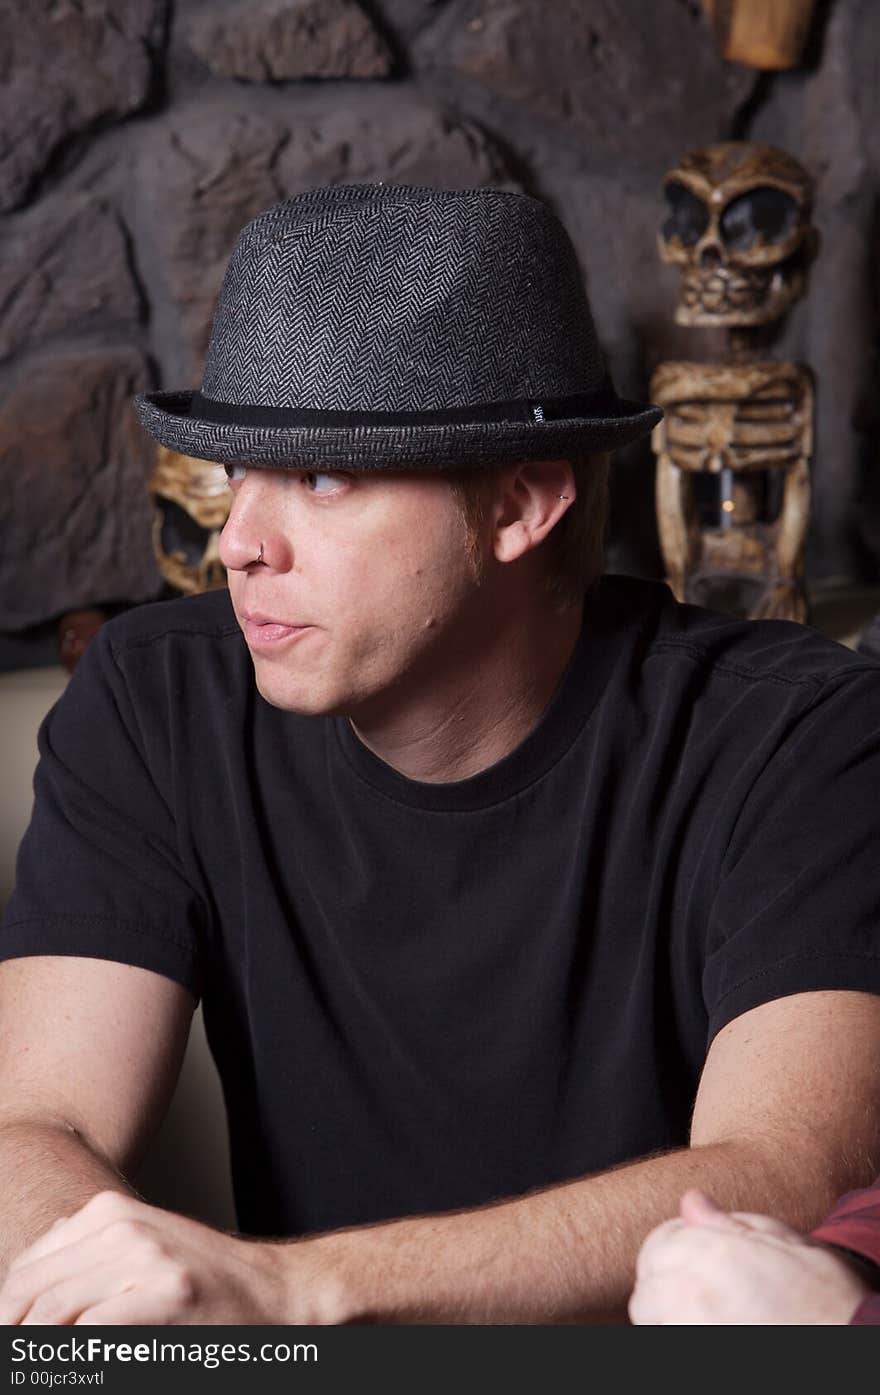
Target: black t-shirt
<point>426,996</point>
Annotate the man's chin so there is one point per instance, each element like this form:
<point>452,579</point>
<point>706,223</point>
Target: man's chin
<point>291,697</point>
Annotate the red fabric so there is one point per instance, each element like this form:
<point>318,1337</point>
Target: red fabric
<point>867,1314</point>
<point>855,1223</point>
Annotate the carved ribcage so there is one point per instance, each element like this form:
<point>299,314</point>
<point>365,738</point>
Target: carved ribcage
<point>765,431</point>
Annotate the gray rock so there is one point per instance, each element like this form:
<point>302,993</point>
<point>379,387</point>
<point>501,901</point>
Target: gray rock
<point>278,40</point>
<point>218,163</point>
<point>391,134</point>
<point>403,19</point>
<point>633,84</point>
<point>64,271</point>
<point>74,462</point>
<point>859,68</point>
<point>201,174</point>
<point>65,65</point>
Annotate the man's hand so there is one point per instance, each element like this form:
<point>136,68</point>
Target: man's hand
<point>118,1260</point>
<point>711,1267</point>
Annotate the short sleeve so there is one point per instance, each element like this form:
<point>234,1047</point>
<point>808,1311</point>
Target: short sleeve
<point>797,907</point>
<point>98,873</point>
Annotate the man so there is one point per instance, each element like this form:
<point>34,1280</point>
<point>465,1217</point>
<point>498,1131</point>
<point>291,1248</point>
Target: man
<point>713,1268</point>
<point>517,902</point>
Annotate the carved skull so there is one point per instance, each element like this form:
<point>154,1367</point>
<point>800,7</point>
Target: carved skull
<point>739,228</point>
<point>191,503</point>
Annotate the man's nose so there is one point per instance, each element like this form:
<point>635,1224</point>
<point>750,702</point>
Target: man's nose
<point>252,532</point>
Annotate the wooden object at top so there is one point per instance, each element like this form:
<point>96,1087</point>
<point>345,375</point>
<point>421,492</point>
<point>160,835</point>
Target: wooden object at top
<point>769,34</point>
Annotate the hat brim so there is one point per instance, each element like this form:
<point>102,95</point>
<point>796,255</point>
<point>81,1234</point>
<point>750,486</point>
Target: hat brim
<point>166,416</point>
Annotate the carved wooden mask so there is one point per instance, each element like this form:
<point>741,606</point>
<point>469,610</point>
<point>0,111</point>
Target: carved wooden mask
<point>191,504</point>
<point>739,229</point>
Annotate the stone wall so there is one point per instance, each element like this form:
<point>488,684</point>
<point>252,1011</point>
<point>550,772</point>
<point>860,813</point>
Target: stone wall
<point>138,136</point>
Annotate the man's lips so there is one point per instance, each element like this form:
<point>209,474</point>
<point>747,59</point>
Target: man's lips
<point>260,629</point>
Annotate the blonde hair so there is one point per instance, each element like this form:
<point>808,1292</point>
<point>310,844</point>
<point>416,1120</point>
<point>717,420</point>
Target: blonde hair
<point>573,548</point>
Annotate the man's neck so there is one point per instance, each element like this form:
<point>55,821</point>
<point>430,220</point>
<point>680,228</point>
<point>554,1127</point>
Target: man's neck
<point>478,714</point>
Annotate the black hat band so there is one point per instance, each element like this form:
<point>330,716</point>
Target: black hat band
<point>602,403</point>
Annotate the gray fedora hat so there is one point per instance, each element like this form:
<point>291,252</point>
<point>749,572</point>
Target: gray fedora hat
<point>379,326</point>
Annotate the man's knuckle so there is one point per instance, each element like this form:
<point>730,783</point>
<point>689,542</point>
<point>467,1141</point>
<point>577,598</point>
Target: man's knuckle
<point>150,1250</point>
<point>132,1233</point>
<point>179,1283</point>
<point>107,1201</point>
<point>47,1309</point>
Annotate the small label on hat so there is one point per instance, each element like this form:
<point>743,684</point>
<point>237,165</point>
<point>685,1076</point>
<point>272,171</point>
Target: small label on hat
<point>538,413</point>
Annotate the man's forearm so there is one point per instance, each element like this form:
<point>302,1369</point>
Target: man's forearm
<point>47,1170</point>
<point>562,1255</point>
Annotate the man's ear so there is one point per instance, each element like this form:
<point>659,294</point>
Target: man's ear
<point>531,499</point>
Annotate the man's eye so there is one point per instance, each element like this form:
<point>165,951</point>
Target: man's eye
<point>234,473</point>
<point>321,481</point>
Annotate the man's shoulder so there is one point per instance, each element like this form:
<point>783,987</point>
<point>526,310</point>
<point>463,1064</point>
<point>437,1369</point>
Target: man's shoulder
<point>191,643</point>
<point>208,616</point>
<point>779,652</point>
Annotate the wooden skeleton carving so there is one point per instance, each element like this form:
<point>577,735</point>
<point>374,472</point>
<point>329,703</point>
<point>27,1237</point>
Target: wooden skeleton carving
<point>191,505</point>
<point>734,448</point>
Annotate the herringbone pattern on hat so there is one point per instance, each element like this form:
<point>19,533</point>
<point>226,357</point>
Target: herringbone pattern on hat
<point>390,299</point>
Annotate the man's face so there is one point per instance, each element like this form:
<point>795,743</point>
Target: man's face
<point>365,595</point>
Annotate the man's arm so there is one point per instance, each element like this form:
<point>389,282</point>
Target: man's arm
<point>90,1051</point>
<point>786,1118</point>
